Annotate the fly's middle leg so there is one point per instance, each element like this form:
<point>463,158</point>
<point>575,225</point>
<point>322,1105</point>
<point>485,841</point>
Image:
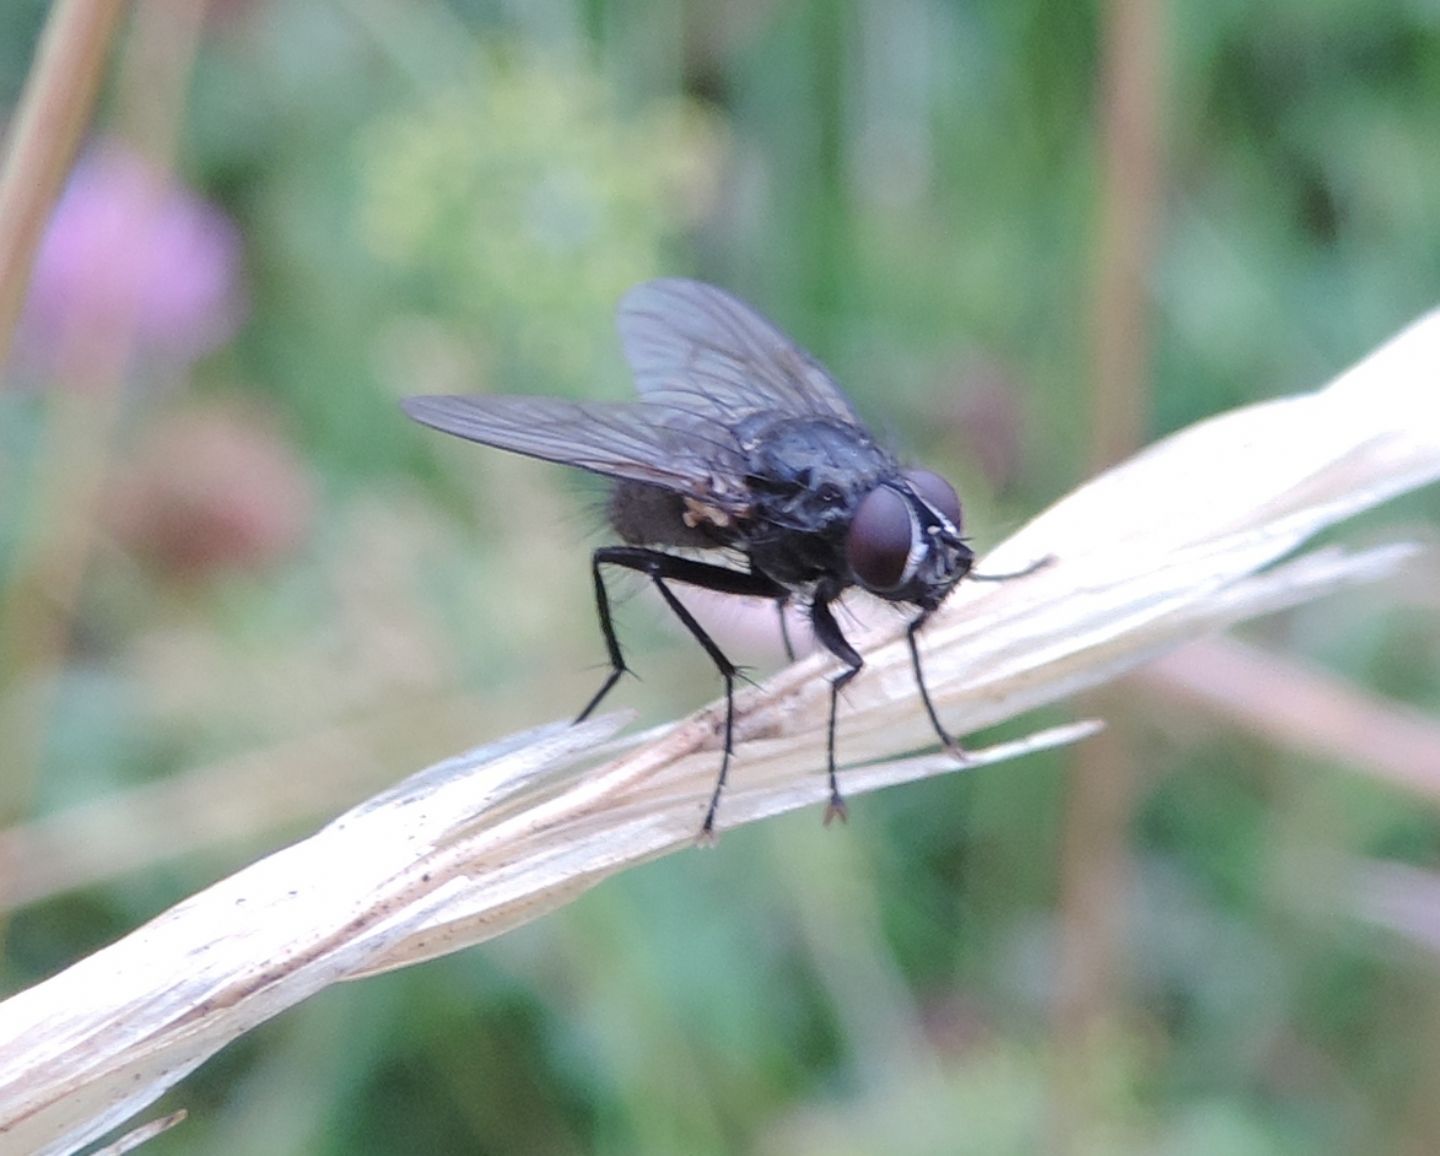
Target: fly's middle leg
<point>827,633</point>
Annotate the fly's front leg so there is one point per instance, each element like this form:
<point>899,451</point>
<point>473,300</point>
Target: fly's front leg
<point>827,632</point>
<point>947,740</point>
<point>663,568</point>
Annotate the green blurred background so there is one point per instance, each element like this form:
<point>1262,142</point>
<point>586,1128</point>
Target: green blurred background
<point>238,591</point>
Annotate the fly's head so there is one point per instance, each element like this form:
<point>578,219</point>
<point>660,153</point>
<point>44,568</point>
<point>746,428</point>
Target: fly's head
<point>904,540</point>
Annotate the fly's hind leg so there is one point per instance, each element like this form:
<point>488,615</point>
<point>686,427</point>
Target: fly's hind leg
<point>663,568</point>
<point>607,628</point>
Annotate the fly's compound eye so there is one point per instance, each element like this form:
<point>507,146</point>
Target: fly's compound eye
<point>880,540</point>
<point>936,492</point>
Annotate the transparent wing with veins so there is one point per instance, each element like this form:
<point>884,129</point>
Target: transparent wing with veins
<point>703,362</point>
<point>659,444</point>
<point>697,348</point>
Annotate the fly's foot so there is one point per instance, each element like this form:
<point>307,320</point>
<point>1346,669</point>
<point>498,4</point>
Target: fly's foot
<point>706,836</point>
<point>743,674</point>
<point>836,809</point>
<point>955,750</point>
<point>615,675</point>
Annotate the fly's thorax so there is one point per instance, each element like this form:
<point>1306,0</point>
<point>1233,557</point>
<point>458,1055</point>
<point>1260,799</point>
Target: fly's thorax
<point>904,542</point>
<point>809,474</point>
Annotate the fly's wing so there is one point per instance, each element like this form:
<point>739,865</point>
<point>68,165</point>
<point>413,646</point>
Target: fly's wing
<point>652,443</point>
<point>698,349</point>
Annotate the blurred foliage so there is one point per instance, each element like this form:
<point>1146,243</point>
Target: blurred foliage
<point>564,207</point>
<point>439,197</point>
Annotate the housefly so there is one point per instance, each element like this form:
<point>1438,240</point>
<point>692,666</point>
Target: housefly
<point>740,441</point>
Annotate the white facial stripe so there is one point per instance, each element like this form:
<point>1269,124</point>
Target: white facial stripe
<point>920,543</point>
<point>945,523</point>
<point>919,547</point>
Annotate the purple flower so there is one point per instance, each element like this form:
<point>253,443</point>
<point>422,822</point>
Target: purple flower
<point>127,248</point>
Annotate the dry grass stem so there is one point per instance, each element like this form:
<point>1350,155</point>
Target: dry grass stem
<point>1181,541</point>
<point>1396,896</point>
<point>53,114</point>
<point>1305,709</point>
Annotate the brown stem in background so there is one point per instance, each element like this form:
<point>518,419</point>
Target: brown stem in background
<point>1420,1119</point>
<point>54,110</point>
<point>84,401</point>
<point>1129,198</point>
<point>1094,863</point>
<point>1300,708</point>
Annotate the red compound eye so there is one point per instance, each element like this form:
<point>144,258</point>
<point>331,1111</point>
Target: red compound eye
<point>937,492</point>
<point>880,538</point>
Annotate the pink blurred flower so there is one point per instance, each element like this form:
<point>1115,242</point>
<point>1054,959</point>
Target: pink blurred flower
<point>212,487</point>
<point>127,246</point>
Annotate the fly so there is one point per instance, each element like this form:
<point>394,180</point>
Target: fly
<point>740,441</point>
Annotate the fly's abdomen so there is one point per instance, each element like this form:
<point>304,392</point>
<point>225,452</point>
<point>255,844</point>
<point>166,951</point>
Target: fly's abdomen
<point>650,516</point>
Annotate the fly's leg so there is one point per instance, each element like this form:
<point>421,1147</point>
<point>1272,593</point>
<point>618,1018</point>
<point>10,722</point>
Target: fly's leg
<point>662,568</point>
<point>727,672</point>
<point>947,740</point>
<point>781,604</point>
<point>827,632</point>
<point>607,628</point>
